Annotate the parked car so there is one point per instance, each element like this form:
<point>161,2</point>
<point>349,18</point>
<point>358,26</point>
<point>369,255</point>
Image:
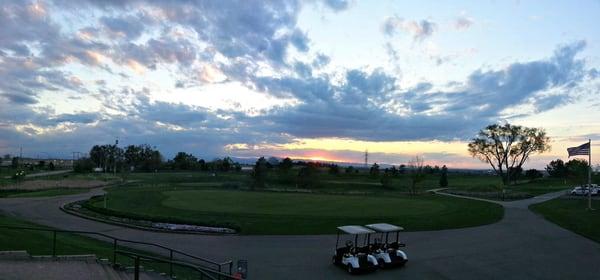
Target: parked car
<point>579,190</point>
<point>585,190</point>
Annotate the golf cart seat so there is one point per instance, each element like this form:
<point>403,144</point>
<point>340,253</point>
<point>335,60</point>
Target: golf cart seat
<point>343,250</point>
<point>396,245</point>
<point>364,250</point>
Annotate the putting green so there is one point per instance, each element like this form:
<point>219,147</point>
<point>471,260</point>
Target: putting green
<point>294,213</point>
<point>298,204</point>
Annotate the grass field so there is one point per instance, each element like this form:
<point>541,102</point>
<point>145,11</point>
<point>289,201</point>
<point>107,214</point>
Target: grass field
<point>295,213</point>
<point>572,215</point>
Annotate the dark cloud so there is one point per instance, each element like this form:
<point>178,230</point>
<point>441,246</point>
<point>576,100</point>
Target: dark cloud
<point>545,103</point>
<point>370,106</point>
<point>84,118</point>
<point>337,5</point>
<point>19,98</point>
<point>130,26</point>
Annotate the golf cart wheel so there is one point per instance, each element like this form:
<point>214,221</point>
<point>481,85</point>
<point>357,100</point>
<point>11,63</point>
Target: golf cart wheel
<point>350,269</point>
<point>381,263</point>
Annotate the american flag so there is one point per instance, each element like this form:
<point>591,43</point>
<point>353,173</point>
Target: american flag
<point>582,150</point>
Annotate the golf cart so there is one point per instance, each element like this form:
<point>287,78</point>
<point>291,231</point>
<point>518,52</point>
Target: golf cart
<point>388,253</point>
<point>351,257</point>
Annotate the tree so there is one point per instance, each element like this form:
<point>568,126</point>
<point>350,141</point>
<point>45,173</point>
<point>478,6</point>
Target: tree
<point>98,155</point>
<point>307,176</point>
<point>15,162</point>
<point>51,166</point>
<point>394,171</point>
<point>401,169</point>
<point>286,164</point>
<point>532,174</point>
<point>349,169</point>
<point>202,165</point>
<point>428,169</point>
<point>334,169</point>
<point>416,173</point>
<point>387,181</point>
<point>506,146</point>
<point>184,161</point>
<point>444,177</point>
<point>557,169</point>
<point>374,171</point>
<point>83,165</point>
<point>259,173</point>
<point>577,170</point>
<point>514,173</point>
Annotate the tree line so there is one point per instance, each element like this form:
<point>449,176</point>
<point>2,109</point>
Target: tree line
<point>575,169</point>
<point>145,158</point>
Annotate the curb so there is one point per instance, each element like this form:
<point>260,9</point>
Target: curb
<point>78,214</point>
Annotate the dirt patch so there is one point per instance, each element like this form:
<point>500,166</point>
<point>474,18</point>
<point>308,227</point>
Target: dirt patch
<point>53,184</point>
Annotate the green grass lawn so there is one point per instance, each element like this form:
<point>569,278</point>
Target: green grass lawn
<point>295,213</point>
<point>41,193</point>
<point>40,243</point>
<point>493,184</point>
<point>573,215</point>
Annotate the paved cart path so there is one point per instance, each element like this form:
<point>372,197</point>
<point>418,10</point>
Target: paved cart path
<point>521,246</point>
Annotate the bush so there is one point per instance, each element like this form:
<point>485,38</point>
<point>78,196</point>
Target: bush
<point>533,174</point>
<point>83,165</point>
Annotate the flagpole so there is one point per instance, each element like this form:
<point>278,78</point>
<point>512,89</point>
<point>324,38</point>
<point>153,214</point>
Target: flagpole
<point>590,177</point>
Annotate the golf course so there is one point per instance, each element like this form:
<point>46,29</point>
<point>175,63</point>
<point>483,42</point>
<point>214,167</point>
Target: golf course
<point>228,200</point>
<point>274,213</point>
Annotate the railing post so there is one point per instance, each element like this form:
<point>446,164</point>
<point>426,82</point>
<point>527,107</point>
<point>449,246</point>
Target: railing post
<point>114,252</point>
<point>136,275</point>
<point>171,263</point>
<point>54,243</point>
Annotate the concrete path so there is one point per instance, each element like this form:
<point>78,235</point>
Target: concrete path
<point>521,246</point>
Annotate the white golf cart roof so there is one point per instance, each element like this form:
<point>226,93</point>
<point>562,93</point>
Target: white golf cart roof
<point>355,229</point>
<point>383,227</point>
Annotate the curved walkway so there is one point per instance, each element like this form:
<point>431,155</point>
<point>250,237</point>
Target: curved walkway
<point>521,246</point>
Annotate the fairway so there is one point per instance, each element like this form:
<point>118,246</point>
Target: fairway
<point>294,213</point>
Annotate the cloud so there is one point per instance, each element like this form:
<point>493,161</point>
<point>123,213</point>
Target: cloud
<point>130,27</point>
<point>245,42</point>
<point>20,98</point>
<point>371,106</point>
<point>463,23</point>
<point>419,30</point>
<point>337,5</point>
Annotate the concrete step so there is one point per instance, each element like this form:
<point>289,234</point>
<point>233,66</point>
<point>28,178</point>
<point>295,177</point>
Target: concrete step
<point>20,265</point>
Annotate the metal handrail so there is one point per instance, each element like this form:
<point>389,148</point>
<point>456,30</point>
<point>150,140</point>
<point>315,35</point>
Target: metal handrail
<point>203,271</point>
<point>115,250</point>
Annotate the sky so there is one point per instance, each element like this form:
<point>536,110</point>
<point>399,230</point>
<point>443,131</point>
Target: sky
<point>314,79</point>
